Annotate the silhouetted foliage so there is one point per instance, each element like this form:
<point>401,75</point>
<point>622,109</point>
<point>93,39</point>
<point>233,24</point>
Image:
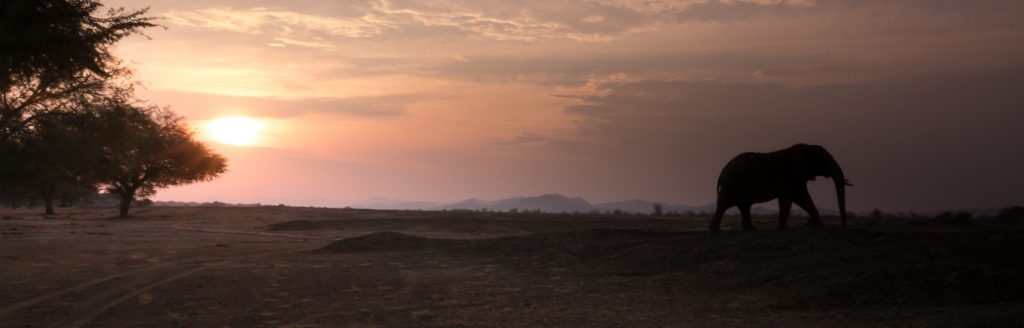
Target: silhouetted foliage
<point>55,55</point>
<point>77,195</point>
<point>147,148</point>
<point>1011,215</point>
<point>875,217</point>
<point>55,61</point>
<point>955,218</point>
<point>57,156</point>
<point>659,209</point>
<point>55,40</point>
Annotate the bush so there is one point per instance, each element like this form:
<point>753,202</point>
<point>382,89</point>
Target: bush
<point>1011,215</point>
<point>958,218</point>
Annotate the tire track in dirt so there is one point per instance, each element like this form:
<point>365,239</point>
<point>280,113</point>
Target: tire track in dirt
<point>77,305</point>
<point>104,303</point>
<point>4,312</point>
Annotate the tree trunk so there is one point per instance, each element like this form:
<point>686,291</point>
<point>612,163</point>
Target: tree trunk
<point>48,201</point>
<point>126,202</point>
<point>48,191</point>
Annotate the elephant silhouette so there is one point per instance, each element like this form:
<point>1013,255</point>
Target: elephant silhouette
<point>751,178</point>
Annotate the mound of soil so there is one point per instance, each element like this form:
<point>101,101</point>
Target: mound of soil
<point>794,269</point>
<point>386,242</point>
<point>294,225</point>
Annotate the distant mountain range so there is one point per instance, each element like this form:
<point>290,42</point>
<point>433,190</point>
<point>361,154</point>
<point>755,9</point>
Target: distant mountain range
<point>551,203</point>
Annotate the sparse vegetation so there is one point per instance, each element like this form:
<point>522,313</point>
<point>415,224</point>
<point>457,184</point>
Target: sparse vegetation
<point>955,218</point>
<point>1011,215</point>
<point>69,123</point>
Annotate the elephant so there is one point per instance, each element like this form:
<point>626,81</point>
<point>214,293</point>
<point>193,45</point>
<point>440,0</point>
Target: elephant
<point>760,177</point>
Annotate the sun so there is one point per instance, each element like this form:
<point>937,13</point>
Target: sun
<point>234,130</point>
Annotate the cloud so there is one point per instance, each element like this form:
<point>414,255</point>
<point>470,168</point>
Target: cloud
<point>525,138</point>
<point>201,106</point>
<point>521,20</point>
<point>287,27</point>
<point>531,20</point>
<point>831,42</point>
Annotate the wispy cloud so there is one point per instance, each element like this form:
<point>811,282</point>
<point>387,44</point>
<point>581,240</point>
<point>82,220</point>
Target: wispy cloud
<point>287,27</point>
<point>521,20</point>
<point>525,138</point>
<point>200,105</point>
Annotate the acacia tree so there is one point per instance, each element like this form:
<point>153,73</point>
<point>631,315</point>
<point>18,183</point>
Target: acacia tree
<point>66,111</point>
<point>52,51</point>
<point>55,39</point>
<point>58,155</point>
<point>145,148</point>
<point>16,187</point>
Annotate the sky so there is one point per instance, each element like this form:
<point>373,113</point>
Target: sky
<point>920,101</point>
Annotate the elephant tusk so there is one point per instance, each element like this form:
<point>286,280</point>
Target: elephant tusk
<point>847,182</point>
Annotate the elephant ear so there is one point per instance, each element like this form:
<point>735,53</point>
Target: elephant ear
<point>801,160</point>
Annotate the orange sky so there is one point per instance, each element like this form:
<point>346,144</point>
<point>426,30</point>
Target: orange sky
<point>607,100</point>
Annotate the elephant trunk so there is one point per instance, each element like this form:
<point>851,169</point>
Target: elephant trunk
<point>841,195</point>
<point>840,180</point>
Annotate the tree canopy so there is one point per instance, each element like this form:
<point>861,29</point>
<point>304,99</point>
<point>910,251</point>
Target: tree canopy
<point>68,116</point>
<point>56,39</point>
<point>146,148</point>
<point>54,51</point>
<point>57,155</point>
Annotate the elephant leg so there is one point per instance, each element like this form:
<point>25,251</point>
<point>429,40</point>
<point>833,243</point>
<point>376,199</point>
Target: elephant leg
<point>804,201</point>
<point>784,207</point>
<point>716,221</point>
<point>745,213</point>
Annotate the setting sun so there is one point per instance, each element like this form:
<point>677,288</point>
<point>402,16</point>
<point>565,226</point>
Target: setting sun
<point>234,130</point>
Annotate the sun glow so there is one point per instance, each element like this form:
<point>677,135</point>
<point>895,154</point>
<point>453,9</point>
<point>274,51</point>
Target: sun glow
<point>234,130</point>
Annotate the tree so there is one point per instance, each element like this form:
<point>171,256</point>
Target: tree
<point>147,148</point>
<point>52,51</point>
<point>956,218</point>
<point>1011,215</point>
<point>56,39</point>
<point>15,183</point>
<point>68,121</point>
<point>875,217</point>
<point>59,156</point>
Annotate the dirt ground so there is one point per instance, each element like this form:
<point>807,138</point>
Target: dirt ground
<point>309,267</point>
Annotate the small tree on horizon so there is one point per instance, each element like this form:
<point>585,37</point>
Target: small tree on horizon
<point>148,148</point>
<point>1011,215</point>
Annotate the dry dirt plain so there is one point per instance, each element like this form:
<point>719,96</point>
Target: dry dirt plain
<point>310,267</point>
